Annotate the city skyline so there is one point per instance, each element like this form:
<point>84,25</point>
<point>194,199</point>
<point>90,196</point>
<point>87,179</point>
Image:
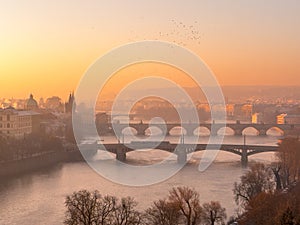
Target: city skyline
<point>231,93</point>
<point>108,106</point>
<point>47,47</point>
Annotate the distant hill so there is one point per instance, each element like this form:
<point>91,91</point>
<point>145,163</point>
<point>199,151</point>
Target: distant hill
<point>232,94</point>
<point>243,93</point>
<point>236,93</point>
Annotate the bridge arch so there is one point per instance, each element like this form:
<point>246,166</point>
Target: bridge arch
<point>201,131</point>
<point>275,131</point>
<point>153,130</point>
<point>149,157</point>
<point>234,151</point>
<point>250,131</point>
<point>129,130</point>
<point>177,131</point>
<point>226,131</point>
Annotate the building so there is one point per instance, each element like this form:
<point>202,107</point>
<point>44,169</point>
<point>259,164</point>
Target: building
<point>54,104</point>
<point>257,118</point>
<point>53,125</point>
<point>281,118</point>
<point>292,119</point>
<point>243,112</point>
<point>31,103</point>
<point>288,119</point>
<point>15,123</point>
<point>103,121</point>
<point>230,111</point>
<point>70,106</point>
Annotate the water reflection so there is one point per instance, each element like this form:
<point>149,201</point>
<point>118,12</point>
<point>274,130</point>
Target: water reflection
<point>38,197</point>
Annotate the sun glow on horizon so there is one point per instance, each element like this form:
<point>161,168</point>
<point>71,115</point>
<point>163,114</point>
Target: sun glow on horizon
<point>46,47</point>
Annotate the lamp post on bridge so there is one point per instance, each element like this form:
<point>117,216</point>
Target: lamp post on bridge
<point>244,154</point>
<point>182,154</point>
<point>182,138</point>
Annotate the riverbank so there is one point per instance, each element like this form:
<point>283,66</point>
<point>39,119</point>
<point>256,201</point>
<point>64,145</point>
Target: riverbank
<point>27,165</point>
<point>39,196</point>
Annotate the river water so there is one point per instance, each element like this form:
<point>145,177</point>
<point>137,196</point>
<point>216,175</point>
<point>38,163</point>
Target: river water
<point>38,198</point>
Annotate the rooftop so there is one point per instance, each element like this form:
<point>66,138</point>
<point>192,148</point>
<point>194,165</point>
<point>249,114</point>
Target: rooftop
<point>11,110</point>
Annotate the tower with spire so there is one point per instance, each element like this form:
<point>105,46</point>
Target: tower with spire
<point>70,105</point>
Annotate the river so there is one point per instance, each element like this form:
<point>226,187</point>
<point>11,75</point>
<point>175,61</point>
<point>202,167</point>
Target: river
<point>38,197</point>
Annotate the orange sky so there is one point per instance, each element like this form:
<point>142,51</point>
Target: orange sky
<point>45,47</point>
<point>142,70</point>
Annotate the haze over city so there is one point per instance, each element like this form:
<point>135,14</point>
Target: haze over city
<point>163,112</point>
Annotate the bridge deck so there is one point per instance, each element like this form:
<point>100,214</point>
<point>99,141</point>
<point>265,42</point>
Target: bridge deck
<point>190,128</point>
<point>181,150</point>
<point>189,148</point>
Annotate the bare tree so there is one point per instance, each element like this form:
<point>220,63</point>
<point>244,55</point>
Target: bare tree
<point>289,156</point>
<point>90,208</point>
<point>105,209</point>
<point>188,202</point>
<point>213,213</point>
<point>276,168</point>
<point>273,208</point>
<point>83,208</point>
<point>257,180</point>
<point>126,214</point>
<point>162,212</point>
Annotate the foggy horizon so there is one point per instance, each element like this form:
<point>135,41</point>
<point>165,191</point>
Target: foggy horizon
<point>162,112</point>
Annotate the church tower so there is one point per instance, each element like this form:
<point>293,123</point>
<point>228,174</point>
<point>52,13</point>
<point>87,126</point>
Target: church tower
<point>70,106</point>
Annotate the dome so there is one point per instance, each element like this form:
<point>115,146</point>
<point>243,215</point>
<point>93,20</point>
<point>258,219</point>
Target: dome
<point>31,103</point>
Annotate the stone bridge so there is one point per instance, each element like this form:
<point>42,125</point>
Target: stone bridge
<point>190,128</point>
<point>182,150</point>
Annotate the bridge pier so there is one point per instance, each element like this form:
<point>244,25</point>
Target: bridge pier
<point>121,155</point>
<point>244,158</point>
<point>181,156</point>
<point>141,132</point>
<point>214,132</point>
<point>189,132</point>
<point>238,132</point>
<point>262,133</point>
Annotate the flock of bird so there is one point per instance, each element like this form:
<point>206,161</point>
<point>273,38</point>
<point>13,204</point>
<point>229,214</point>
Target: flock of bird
<point>180,33</point>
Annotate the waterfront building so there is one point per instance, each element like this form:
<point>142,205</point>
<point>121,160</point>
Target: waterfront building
<point>15,123</point>
<point>257,118</point>
<point>288,119</point>
<point>281,118</point>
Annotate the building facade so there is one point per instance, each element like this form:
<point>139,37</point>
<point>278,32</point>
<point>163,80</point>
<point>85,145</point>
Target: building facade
<point>16,124</point>
<point>257,118</point>
<point>288,119</point>
<point>281,118</point>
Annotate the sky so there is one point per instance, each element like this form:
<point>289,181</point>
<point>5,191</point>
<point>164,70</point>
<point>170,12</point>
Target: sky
<point>47,46</point>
